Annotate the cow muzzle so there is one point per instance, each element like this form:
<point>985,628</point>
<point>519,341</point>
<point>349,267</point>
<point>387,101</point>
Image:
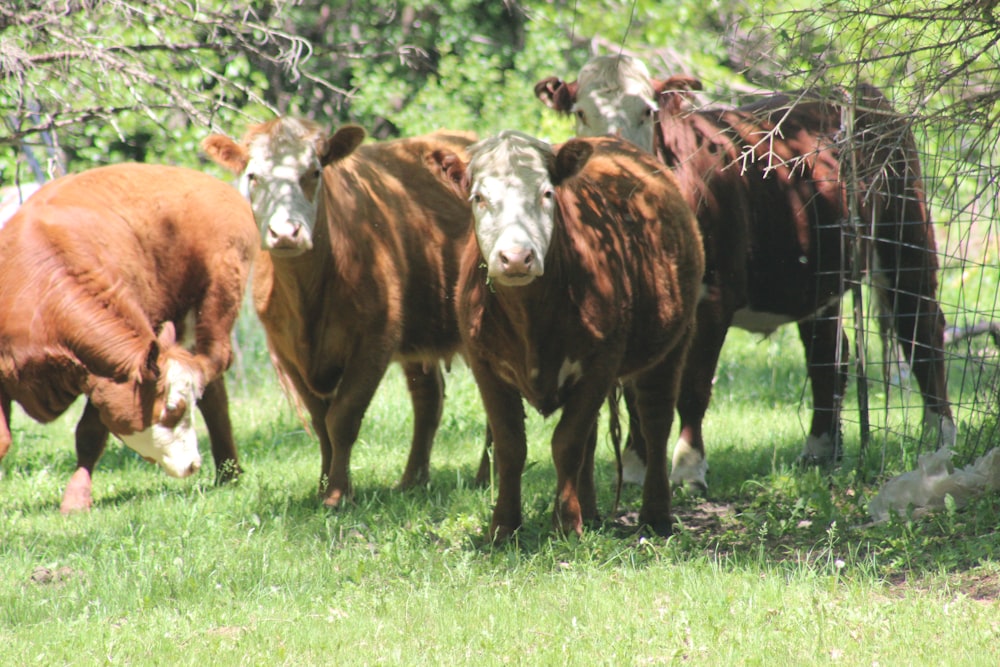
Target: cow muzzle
<point>515,266</point>
<point>287,238</point>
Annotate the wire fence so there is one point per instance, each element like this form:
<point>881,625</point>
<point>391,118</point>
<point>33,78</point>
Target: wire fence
<point>963,197</point>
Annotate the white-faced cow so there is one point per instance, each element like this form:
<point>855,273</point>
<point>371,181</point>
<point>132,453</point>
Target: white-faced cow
<point>363,245</point>
<point>123,283</point>
<point>765,181</point>
<point>584,269</point>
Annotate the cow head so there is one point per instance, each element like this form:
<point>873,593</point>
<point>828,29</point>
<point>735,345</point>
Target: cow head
<point>614,95</point>
<point>152,411</point>
<point>511,180</point>
<point>280,165</point>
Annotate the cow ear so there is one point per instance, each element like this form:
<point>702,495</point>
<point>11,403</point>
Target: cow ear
<point>165,339</point>
<point>451,169</point>
<point>554,93</point>
<point>570,159</point>
<point>341,144</point>
<point>675,93</point>
<point>225,152</point>
<point>678,83</point>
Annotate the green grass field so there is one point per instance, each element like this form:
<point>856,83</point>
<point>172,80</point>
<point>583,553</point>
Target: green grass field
<point>776,566</point>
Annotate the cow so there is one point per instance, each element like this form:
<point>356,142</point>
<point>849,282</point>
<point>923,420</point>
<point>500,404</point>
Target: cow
<point>122,283</point>
<point>774,205</point>
<point>584,270</point>
<point>363,243</point>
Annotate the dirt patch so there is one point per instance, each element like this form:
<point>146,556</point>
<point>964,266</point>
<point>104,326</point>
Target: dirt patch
<point>43,576</point>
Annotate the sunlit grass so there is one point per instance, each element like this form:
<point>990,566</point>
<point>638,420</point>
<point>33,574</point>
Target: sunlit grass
<point>777,560</point>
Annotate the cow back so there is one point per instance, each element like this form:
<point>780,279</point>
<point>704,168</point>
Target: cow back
<point>395,233</point>
<point>92,265</point>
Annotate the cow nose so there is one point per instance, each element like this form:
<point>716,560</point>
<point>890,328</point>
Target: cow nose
<point>289,232</point>
<point>195,466</point>
<point>516,260</point>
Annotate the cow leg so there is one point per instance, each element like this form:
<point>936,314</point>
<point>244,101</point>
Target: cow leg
<point>586,491</point>
<point>920,329</point>
<point>689,462</point>
<point>5,436</point>
<point>483,477</point>
<point>919,325</point>
<point>317,409</point>
<point>656,397</point>
<point>907,261</point>
<point>342,423</point>
<point>571,445</point>
<point>214,408</point>
<point>634,454</point>
<point>91,439</point>
<point>426,386</point>
<point>505,416</point>
<point>828,376</point>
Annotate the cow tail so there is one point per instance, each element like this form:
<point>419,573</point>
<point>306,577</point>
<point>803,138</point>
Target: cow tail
<point>615,428</point>
<point>285,382</point>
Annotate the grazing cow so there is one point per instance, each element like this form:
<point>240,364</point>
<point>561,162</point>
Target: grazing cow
<point>106,277</point>
<point>363,246</point>
<point>584,269</point>
<point>765,182</point>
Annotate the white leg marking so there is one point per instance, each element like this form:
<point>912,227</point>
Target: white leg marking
<point>689,466</point>
<point>633,469</point>
<point>570,372</point>
<point>941,428</point>
<point>818,450</point>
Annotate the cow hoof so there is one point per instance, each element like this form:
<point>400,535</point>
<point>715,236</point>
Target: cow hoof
<point>819,451</point>
<point>77,496</point>
<point>414,480</point>
<point>228,472</point>
<point>688,468</point>
<point>633,468</point>
<point>567,526</point>
<point>75,505</point>
<point>661,527</point>
<point>501,534</point>
<point>335,499</point>
<point>693,487</point>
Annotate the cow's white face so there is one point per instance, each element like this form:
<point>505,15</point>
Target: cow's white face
<point>513,201</point>
<point>171,442</point>
<point>281,180</point>
<point>615,96</point>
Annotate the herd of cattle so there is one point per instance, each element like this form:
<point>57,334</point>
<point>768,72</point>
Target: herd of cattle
<point>558,273</point>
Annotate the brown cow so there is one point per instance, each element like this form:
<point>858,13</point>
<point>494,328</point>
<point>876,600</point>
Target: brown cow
<point>105,276</point>
<point>363,255</point>
<point>585,269</point>
<point>765,182</point>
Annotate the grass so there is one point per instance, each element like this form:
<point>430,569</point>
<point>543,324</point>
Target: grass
<point>776,562</point>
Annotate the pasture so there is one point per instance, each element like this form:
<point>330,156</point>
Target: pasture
<point>775,562</point>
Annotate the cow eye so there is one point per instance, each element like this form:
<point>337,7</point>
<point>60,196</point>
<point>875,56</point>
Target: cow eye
<point>251,179</point>
<point>548,194</point>
<point>477,199</point>
<point>581,116</point>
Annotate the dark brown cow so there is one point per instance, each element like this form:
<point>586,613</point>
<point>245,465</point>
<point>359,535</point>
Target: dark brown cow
<point>363,244</point>
<point>585,269</point>
<point>105,278</point>
<point>765,182</point>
